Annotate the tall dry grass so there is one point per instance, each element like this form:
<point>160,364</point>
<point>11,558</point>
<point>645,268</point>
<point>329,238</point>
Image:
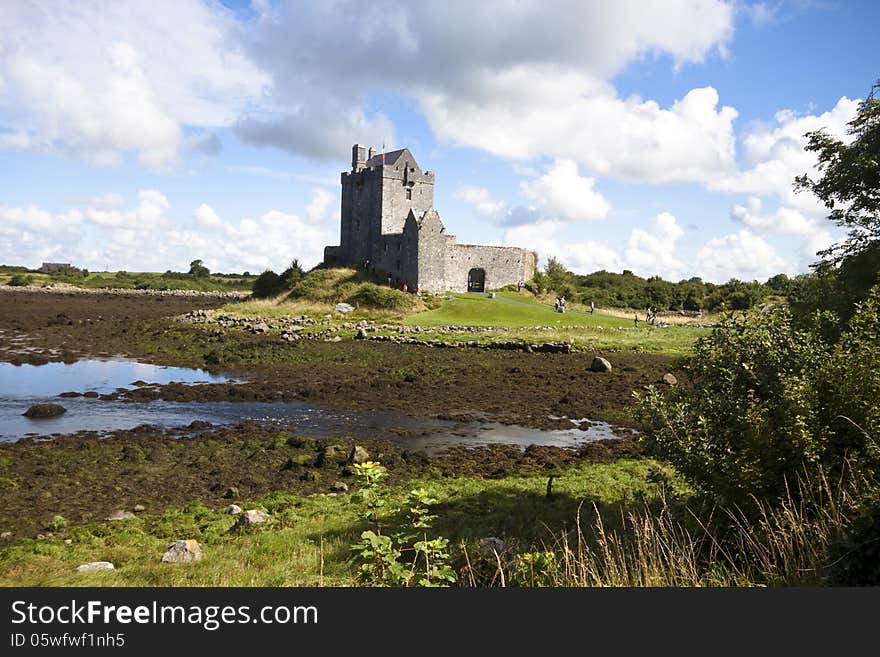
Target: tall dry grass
<point>664,545</point>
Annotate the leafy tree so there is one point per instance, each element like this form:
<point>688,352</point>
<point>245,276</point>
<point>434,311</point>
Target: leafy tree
<point>267,284</point>
<point>198,270</point>
<point>850,181</point>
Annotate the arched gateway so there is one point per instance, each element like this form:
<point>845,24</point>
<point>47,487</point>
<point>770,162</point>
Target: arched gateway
<point>477,280</point>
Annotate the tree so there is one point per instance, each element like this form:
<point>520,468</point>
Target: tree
<point>198,270</point>
<point>266,285</point>
<point>850,181</point>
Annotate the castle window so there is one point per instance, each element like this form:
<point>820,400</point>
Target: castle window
<point>408,194</point>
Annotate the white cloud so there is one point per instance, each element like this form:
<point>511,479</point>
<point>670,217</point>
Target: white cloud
<point>205,216</point>
<point>652,251</point>
<point>741,255</point>
<point>562,193</point>
<point>145,237</point>
<point>647,252</point>
<point>481,199</point>
<point>97,81</point>
<point>774,155</point>
<point>319,207</point>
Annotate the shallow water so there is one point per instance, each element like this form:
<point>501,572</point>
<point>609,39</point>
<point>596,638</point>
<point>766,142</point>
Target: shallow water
<point>21,386</point>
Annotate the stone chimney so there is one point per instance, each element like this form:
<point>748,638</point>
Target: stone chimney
<point>358,153</point>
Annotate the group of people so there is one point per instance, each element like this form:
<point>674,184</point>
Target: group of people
<point>651,315</point>
<point>560,304</point>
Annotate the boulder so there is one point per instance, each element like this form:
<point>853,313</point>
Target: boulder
<point>344,308</point>
<point>139,508</point>
<point>251,517</point>
<point>95,565</point>
<point>600,365</point>
<point>361,334</point>
<point>185,551</point>
<point>339,487</point>
<point>119,514</point>
<point>233,510</point>
<point>44,410</point>
<point>231,493</point>
<point>358,455</point>
<point>669,379</point>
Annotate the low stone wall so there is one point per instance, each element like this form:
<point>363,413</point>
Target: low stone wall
<point>72,289</point>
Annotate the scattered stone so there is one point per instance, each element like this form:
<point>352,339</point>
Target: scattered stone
<point>70,394</point>
<point>251,517</point>
<point>91,394</point>
<point>68,541</point>
<point>310,475</point>
<point>339,487</point>
<point>95,565</point>
<point>231,493</point>
<point>669,379</point>
<point>119,514</point>
<point>493,544</point>
<point>361,334</point>
<point>44,410</point>
<point>139,508</point>
<point>5,535</point>
<point>233,510</point>
<point>185,551</point>
<point>600,365</point>
<point>344,308</point>
<point>358,455</point>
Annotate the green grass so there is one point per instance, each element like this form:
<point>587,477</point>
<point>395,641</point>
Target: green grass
<point>308,542</point>
<point>508,310</point>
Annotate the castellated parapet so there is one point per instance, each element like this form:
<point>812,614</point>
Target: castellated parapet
<point>388,218</point>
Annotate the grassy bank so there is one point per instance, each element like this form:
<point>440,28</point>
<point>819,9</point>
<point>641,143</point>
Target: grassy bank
<point>309,539</point>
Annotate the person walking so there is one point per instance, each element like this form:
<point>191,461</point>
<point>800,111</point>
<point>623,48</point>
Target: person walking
<point>592,307</point>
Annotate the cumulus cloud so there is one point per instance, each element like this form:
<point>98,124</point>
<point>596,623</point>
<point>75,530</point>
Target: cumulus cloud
<point>773,154</point>
<point>648,252</point>
<point>145,238</point>
<point>564,194</point>
<point>500,89</point>
<point>742,255</point>
<point>481,199</point>
<point>814,233</point>
<point>96,81</point>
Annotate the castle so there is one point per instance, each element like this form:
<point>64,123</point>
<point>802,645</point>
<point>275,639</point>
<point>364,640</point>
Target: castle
<point>389,221</point>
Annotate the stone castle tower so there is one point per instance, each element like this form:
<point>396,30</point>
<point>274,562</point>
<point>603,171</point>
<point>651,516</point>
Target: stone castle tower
<point>388,218</point>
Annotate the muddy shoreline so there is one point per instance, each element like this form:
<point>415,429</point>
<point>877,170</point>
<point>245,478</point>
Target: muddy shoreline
<point>503,386</point>
<point>85,476</point>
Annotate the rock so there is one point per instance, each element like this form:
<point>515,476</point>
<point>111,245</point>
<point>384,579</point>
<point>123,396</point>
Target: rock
<point>358,455</point>
<point>233,510</point>
<point>5,535</point>
<point>251,517</point>
<point>600,365</point>
<point>95,565</point>
<point>70,394</point>
<point>91,394</point>
<point>493,544</point>
<point>185,551</point>
<point>310,475</point>
<point>139,508</point>
<point>119,514</point>
<point>68,541</point>
<point>339,487</point>
<point>231,493</point>
<point>344,308</point>
<point>44,410</point>
<point>361,334</point>
<point>669,379</point>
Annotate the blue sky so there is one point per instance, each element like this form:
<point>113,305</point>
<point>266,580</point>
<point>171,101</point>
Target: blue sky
<point>658,137</point>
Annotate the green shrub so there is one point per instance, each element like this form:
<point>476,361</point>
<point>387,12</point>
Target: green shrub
<point>20,280</point>
<point>771,402</point>
<point>383,298</point>
<point>266,285</point>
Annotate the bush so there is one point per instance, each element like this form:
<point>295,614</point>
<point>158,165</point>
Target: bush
<point>771,402</point>
<point>383,298</point>
<point>20,280</point>
<point>266,285</point>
